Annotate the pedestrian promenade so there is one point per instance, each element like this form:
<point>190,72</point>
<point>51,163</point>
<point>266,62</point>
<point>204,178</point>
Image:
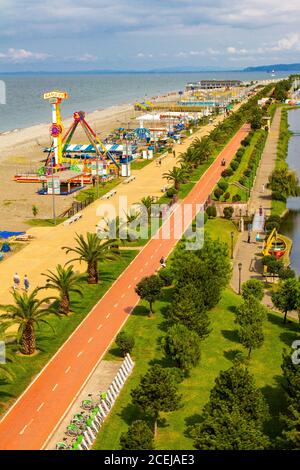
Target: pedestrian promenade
<point>249,254</point>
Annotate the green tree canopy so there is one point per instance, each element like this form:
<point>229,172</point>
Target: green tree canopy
<point>287,296</point>
<point>208,269</point>
<point>125,342</point>
<point>138,437</point>
<point>149,288</point>
<point>27,312</point>
<point>157,392</point>
<point>284,181</point>
<point>188,309</point>
<point>229,431</point>
<point>253,288</point>
<point>183,346</point>
<point>92,250</point>
<point>290,437</point>
<point>65,281</point>
<point>235,414</point>
<point>250,316</point>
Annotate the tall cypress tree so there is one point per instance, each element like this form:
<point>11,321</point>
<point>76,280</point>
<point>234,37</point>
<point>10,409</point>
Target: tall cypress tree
<point>235,414</point>
<point>290,438</point>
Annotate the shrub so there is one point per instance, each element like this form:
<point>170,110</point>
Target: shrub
<point>227,172</point>
<point>270,225</point>
<point>274,218</point>
<point>236,198</point>
<point>170,192</point>
<point>125,342</point>
<point>234,165</point>
<point>211,211</point>
<point>218,193</point>
<point>245,142</point>
<point>243,180</point>
<point>286,273</point>
<point>167,276</point>
<point>240,153</point>
<point>223,185</point>
<point>228,212</point>
<point>247,172</point>
<point>278,196</point>
<point>138,437</point>
<point>226,196</point>
<point>254,288</point>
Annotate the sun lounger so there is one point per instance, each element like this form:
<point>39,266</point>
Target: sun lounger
<point>24,238</point>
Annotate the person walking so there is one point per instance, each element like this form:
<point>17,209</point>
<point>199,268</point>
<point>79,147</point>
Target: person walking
<point>263,188</point>
<point>17,281</point>
<point>163,262</point>
<point>159,161</point>
<point>26,283</point>
<point>174,154</point>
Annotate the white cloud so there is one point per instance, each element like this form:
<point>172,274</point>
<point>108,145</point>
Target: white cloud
<point>22,55</point>
<point>289,42</point>
<point>87,58</point>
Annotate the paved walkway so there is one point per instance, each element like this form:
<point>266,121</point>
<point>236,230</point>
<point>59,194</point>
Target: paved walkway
<point>44,252</point>
<point>100,380</point>
<point>30,422</point>
<point>249,254</point>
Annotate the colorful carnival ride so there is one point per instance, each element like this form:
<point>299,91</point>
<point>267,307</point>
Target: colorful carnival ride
<point>68,167</point>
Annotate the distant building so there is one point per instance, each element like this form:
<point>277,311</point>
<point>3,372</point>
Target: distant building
<point>213,84</point>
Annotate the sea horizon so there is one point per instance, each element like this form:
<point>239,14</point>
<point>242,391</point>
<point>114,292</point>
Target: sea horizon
<point>93,91</point>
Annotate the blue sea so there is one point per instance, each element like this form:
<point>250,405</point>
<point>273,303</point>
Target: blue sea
<point>25,107</point>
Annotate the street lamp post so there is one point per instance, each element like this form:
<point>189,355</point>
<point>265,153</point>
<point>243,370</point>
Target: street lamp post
<point>232,235</point>
<point>53,197</point>
<point>240,276</point>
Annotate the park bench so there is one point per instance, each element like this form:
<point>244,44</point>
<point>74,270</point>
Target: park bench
<point>128,180</point>
<point>72,219</point>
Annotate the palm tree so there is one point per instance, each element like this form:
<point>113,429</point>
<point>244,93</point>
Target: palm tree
<point>92,250</point>
<point>65,281</point>
<point>146,203</point>
<point>177,175</point>
<point>201,150</point>
<point>5,373</point>
<point>114,230</point>
<point>189,158</point>
<point>131,217</point>
<point>27,312</point>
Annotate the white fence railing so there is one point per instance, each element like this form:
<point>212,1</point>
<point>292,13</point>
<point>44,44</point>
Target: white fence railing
<point>99,412</point>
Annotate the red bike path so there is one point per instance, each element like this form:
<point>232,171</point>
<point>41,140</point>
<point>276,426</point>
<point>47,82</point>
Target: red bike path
<point>31,420</point>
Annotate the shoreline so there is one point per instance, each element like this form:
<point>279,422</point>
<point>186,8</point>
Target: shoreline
<point>93,115</point>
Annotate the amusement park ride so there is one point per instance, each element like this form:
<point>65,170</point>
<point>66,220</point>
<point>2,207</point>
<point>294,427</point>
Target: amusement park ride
<point>68,167</point>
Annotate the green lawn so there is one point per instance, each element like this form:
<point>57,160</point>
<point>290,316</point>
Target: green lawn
<point>221,228</point>
<point>139,164</point>
<point>279,207</point>
<point>25,368</point>
<point>194,178</point>
<point>218,351</point>
<point>232,189</point>
<point>44,222</point>
<point>92,191</point>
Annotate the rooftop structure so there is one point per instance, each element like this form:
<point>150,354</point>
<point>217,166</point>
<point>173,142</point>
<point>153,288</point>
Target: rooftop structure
<point>213,84</point>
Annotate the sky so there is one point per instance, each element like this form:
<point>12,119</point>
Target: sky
<point>66,35</point>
